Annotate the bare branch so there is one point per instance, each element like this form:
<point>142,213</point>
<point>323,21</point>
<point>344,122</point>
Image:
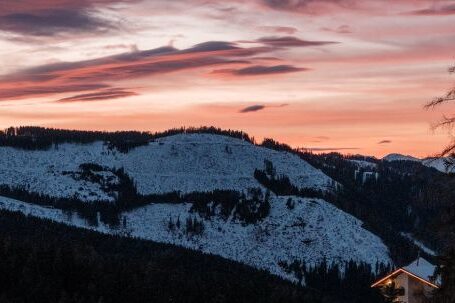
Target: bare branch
<point>449,150</point>
<point>449,96</point>
<point>449,161</point>
<point>447,122</point>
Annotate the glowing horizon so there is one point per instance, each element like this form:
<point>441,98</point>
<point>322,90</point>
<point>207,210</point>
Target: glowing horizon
<point>346,75</point>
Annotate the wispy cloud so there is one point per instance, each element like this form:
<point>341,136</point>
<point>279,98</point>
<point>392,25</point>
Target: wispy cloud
<point>306,6</point>
<point>252,108</point>
<point>41,90</point>
<point>342,29</point>
<point>100,96</point>
<point>289,30</point>
<point>104,71</point>
<point>258,70</point>
<point>322,137</point>
<point>319,139</point>
<point>258,107</point>
<point>290,41</point>
<point>384,142</point>
<point>322,149</point>
<point>445,10</point>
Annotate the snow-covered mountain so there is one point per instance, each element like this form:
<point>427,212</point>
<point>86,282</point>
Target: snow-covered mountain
<point>184,162</point>
<point>400,157</point>
<point>295,228</point>
<point>437,163</point>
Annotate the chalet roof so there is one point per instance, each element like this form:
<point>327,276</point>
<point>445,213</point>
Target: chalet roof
<point>420,269</point>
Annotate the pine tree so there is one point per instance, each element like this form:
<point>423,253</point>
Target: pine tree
<point>446,271</point>
<point>170,224</point>
<point>178,222</point>
<point>391,292</point>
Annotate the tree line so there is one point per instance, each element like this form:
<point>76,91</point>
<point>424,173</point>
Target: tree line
<point>40,138</point>
<point>248,207</point>
<point>349,282</point>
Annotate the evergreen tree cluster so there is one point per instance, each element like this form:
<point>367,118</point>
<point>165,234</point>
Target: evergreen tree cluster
<point>248,208</point>
<point>392,292</point>
<point>446,271</point>
<point>349,282</point>
<point>40,138</point>
<point>280,185</point>
<point>44,261</point>
<point>194,226</point>
<point>205,130</point>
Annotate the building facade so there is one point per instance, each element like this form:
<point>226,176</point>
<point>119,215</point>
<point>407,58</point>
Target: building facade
<point>410,284</point>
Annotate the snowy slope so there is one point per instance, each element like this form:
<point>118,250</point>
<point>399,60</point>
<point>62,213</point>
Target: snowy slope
<point>313,230</point>
<point>202,162</point>
<point>186,162</point>
<point>43,171</point>
<point>438,163</point>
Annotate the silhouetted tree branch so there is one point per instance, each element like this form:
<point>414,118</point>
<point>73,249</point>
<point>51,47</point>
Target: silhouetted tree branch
<point>447,121</point>
<point>445,269</point>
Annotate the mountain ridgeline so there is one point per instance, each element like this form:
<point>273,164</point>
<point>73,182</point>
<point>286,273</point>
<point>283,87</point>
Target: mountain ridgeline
<point>39,138</point>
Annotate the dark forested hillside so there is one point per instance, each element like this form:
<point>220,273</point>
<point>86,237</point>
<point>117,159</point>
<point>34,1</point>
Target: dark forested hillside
<point>42,261</point>
<point>407,196</point>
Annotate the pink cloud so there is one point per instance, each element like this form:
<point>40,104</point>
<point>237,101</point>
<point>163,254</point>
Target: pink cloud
<point>102,72</point>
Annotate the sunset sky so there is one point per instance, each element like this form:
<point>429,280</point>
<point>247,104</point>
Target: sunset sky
<point>345,75</point>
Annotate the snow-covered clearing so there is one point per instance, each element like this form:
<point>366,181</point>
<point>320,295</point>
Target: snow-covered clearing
<point>185,162</point>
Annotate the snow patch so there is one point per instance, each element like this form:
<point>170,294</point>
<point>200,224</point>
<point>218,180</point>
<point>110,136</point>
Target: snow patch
<point>419,244</point>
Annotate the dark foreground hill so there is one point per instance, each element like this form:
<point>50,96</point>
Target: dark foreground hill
<point>43,261</point>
